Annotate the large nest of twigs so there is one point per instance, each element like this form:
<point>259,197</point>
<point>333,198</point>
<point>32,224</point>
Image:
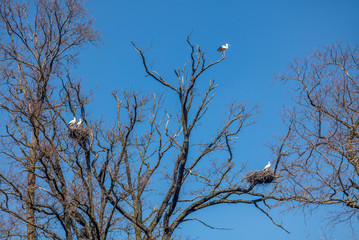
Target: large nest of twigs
<point>261,177</point>
<point>80,134</point>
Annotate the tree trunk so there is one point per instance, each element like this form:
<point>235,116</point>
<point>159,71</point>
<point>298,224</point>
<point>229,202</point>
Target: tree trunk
<point>31,181</point>
<point>167,234</point>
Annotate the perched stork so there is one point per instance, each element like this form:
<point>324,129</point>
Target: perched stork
<point>72,122</point>
<point>267,166</point>
<point>79,124</point>
<point>223,49</point>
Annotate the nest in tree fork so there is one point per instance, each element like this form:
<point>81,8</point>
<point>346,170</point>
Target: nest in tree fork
<point>80,134</point>
<point>261,177</point>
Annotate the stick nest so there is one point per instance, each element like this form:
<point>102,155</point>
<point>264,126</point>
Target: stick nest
<point>80,134</point>
<point>261,177</point>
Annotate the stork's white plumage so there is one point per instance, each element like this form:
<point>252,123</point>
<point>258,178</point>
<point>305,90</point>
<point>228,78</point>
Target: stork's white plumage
<point>223,49</point>
<point>267,166</point>
<point>72,122</point>
<point>79,124</point>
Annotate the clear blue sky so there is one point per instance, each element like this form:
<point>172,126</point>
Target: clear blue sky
<point>264,36</point>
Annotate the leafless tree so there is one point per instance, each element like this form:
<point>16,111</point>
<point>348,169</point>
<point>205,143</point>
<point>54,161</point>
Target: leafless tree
<point>318,158</point>
<point>46,187</point>
<point>158,171</point>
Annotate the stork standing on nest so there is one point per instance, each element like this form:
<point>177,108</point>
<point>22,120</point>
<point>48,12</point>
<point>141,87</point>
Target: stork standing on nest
<point>267,166</point>
<point>72,122</point>
<point>223,49</point>
<point>79,124</point>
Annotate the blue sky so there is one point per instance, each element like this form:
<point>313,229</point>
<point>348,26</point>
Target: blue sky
<point>264,36</point>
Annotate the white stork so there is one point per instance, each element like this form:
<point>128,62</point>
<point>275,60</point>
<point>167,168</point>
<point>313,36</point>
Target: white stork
<point>72,122</point>
<point>267,166</point>
<point>79,124</point>
<point>223,49</point>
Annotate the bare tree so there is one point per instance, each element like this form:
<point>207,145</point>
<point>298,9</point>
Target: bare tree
<point>158,171</point>
<point>46,186</point>
<point>318,158</point>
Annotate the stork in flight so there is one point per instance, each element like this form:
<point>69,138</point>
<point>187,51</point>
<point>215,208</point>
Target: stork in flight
<point>223,49</point>
<point>79,124</point>
<point>72,122</point>
<point>267,166</point>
